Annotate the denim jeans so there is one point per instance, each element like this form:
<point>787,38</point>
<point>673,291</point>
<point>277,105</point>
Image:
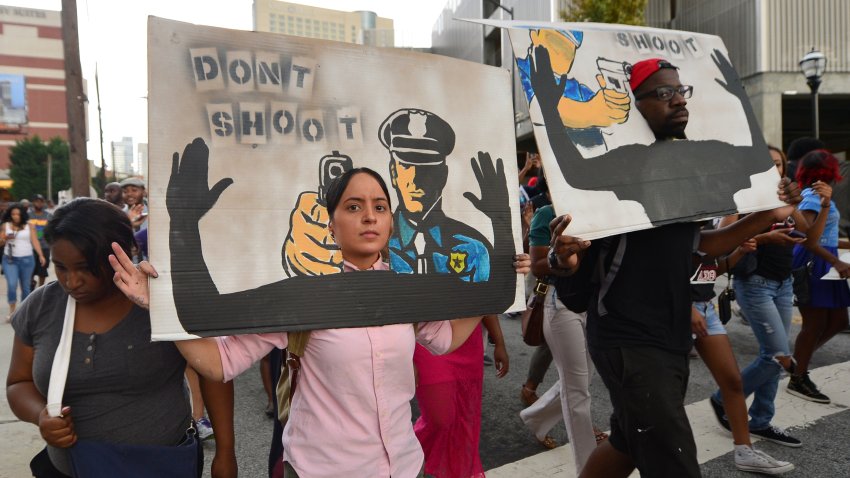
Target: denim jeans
<point>767,304</point>
<point>18,270</point>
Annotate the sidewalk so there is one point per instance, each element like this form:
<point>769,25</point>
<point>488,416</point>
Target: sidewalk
<point>21,441</point>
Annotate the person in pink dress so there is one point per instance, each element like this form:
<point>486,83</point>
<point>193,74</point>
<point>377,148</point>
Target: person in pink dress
<point>449,392</point>
<point>350,414</point>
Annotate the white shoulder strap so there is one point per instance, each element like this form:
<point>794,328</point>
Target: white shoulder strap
<point>59,372</point>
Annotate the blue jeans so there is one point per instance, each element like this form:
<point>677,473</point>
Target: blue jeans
<point>18,269</point>
<point>767,304</point>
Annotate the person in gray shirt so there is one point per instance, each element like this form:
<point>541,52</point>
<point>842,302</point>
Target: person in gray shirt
<point>121,387</point>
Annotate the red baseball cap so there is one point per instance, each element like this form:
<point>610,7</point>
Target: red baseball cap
<point>645,68</point>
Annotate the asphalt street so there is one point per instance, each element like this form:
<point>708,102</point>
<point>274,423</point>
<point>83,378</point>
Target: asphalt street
<point>504,439</point>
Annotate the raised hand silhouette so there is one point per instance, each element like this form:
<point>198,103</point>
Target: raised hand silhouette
<point>188,196</point>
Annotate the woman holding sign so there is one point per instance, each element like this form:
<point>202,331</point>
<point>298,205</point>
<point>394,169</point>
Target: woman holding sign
<point>350,414</point>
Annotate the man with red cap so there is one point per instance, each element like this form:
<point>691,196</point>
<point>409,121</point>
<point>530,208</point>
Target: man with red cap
<point>638,304</point>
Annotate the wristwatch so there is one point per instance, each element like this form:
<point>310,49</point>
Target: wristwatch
<point>552,258</point>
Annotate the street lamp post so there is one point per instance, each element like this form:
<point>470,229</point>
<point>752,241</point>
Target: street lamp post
<point>813,66</point>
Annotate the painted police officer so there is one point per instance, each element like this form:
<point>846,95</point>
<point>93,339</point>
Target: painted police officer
<point>424,239</point>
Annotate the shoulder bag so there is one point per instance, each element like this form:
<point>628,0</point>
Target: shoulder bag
<point>801,277</point>
<point>532,318</point>
<point>92,459</point>
<point>725,299</point>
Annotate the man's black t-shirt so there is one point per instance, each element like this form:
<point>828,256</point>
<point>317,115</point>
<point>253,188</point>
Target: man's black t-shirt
<point>649,300</point>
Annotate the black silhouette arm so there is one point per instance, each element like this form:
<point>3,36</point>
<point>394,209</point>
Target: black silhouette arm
<point>549,93</point>
<point>300,303</point>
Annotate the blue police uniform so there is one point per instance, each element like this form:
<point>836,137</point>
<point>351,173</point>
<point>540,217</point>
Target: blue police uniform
<point>449,247</point>
<point>585,137</point>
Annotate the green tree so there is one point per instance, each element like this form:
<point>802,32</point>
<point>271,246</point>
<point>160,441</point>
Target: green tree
<point>29,166</point>
<point>624,12</point>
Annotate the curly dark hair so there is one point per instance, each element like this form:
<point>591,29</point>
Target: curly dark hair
<point>7,214</point>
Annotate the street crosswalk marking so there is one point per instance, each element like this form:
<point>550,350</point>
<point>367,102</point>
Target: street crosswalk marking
<point>711,440</point>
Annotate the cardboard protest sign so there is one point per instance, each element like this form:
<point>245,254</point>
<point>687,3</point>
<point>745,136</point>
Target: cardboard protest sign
<point>247,132</point>
<point>603,163</point>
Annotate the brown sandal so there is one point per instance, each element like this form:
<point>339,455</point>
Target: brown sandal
<point>528,396</point>
<point>548,442</point>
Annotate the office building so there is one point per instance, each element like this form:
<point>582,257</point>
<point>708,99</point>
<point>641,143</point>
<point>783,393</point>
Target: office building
<point>361,27</point>
<point>122,156</point>
<point>142,159</point>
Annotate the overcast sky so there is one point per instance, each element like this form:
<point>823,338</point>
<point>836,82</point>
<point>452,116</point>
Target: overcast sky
<point>113,36</point>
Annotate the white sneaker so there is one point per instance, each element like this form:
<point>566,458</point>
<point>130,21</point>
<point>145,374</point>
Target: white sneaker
<point>756,461</point>
<point>205,430</point>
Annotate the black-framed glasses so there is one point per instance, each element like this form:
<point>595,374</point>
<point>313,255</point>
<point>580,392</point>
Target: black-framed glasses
<point>665,93</point>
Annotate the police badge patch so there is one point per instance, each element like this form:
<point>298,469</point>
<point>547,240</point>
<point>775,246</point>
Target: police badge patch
<point>457,261</point>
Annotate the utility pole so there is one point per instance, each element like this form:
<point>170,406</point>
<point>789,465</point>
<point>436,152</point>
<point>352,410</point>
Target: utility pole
<point>100,127</point>
<point>75,101</point>
<point>49,176</point>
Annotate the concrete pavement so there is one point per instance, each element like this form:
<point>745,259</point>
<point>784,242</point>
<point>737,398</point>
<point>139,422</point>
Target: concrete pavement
<point>20,440</point>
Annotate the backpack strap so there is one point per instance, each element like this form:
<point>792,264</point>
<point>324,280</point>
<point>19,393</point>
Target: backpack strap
<point>298,342</point>
<point>289,371</point>
<point>606,279</point>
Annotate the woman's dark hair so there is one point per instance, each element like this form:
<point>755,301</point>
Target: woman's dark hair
<point>339,184</point>
<point>7,215</point>
<point>784,159</point>
<point>803,146</point>
<point>92,225</point>
<point>818,165</point>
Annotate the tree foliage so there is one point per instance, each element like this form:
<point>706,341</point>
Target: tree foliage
<point>29,166</point>
<point>625,12</point>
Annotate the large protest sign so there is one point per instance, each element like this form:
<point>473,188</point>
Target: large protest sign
<point>248,130</point>
<point>603,163</point>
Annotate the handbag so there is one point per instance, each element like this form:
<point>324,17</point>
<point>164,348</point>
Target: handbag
<point>725,299</point>
<point>800,285</point>
<point>724,304</point>
<point>93,459</point>
<point>532,318</point>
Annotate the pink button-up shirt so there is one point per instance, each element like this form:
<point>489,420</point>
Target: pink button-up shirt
<point>351,414</point>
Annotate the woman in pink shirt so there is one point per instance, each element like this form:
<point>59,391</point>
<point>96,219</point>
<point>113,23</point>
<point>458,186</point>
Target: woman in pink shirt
<point>351,413</point>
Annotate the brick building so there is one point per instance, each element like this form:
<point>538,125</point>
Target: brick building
<point>32,79</point>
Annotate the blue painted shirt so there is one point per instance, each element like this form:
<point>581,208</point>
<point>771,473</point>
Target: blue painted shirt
<point>451,247</point>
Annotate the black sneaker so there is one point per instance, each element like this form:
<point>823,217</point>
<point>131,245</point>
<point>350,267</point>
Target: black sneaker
<point>719,414</point>
<point>803,387</point>
<point>778,436</point>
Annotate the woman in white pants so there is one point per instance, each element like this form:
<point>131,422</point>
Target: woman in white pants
<point>564,330</point>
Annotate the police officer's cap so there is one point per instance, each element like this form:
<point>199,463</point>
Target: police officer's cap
<point>417,137</point>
